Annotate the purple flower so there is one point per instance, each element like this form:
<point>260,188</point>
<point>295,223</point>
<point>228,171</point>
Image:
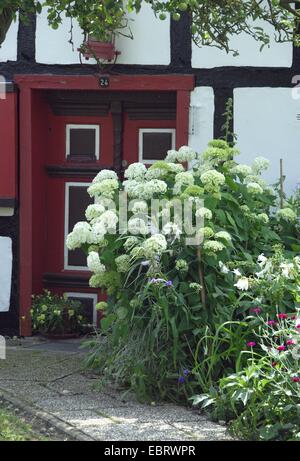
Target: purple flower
<point>251,344</point>
<point>181,380</point>
<point>169,283</point>
<point>186,372</point>
<point>157,280</point>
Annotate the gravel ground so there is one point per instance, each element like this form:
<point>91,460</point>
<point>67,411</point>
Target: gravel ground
<point>49,381</point>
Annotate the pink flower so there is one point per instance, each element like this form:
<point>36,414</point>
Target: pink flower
<point>290,342</point>
<point>251,344</point>
<point>282,316</point>
<point>271,322</point>
<point>293,317</point>
<point>256,310</point>
<point>298,326</point>
<point>296,379</point>
<point>281,348</point>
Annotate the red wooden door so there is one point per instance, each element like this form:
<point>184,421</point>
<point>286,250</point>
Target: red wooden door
<point>76,148</point>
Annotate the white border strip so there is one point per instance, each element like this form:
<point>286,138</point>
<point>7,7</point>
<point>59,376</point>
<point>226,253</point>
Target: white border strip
<point>67,230</point>
<point>154,130</point>
<point>93,296</point>
<point>69,127</point>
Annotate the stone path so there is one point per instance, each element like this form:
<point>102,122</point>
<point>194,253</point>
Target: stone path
<point>49,377</point>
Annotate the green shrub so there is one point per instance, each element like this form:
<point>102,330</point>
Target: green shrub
<point>165,295</point>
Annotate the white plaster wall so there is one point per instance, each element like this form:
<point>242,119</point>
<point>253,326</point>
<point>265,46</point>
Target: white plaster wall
<point>265,120</point>
<point>151,43</point>
<point>9,48</point>
<point>52,46</point>
<point>278,55</point>
<point>201,129</point>
<point>5,272</point>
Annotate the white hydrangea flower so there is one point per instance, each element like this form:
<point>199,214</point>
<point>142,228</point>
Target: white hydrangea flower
<point>186,154</point>
<point>212,180</point>
<point>182,265</point>
<point>155,173</point>
<point>133,188</point>
<point>195,286</point>
<point>94,264</point>
<point>213,246</point>
<point>136,171</point>
<point>242,284</point>
<point>139,207</point>
<point>223,235</point>
<point>137,252</point>
<point>123,263</point>
<point>153,187</point>
<point>254,188</point>
<point>98,232</point>
<point>137,226</point>
<point>130,242</point>
<point>176,167</point>
<point>204,213</point>
<point>105,174</point>
<point>183,179</point>
<point>287,214</point>
<point>171,156</point>
<point>263,217</point>
<point>242,170</point>
<point>205,233</point>
<point>81,234</point>
<point>105,188</point>
<point>154,246</point>
<point>260,164</point>
<point>94,211</point>
<point>109,219</point>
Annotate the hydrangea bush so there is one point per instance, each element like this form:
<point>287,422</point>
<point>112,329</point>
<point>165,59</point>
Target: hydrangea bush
<point>163,292</point>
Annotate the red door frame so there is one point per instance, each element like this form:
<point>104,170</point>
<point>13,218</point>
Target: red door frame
<point>182,84</point>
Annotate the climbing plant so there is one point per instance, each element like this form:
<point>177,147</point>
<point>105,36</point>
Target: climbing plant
<point>213,21</point>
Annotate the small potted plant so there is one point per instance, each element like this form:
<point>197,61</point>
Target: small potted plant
<point>57,317</point>
<point>99,49</point>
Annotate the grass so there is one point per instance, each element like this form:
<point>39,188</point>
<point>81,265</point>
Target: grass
<point>15,428</point>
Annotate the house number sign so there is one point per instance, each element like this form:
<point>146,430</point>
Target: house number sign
<point>104,82</point>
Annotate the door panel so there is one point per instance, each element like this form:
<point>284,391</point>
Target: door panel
<point>134,131</point>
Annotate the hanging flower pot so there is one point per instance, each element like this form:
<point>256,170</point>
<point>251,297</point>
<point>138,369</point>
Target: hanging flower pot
<point>94,48</point>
